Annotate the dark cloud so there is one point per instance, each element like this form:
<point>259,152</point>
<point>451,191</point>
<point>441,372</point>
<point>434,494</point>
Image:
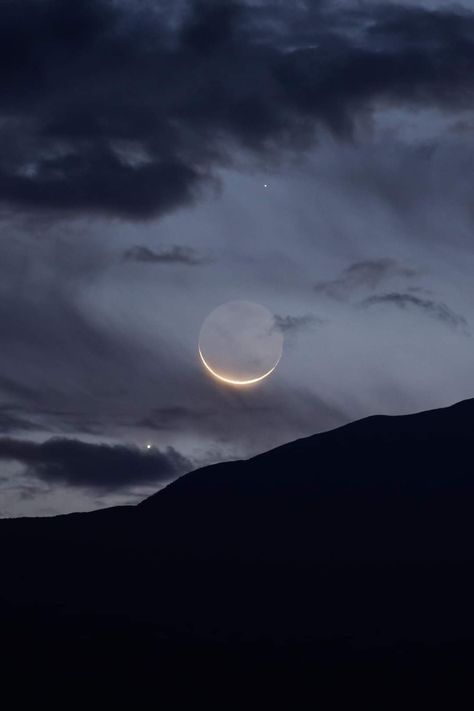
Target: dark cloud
<point>97,466</point>
<point>171,255</point>
<point>434,309</point>
<point>368,274</point>
<point>296,323</point>
<point>127,108</point>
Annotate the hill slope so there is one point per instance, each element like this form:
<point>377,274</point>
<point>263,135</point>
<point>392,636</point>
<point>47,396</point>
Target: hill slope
<point>352,547</point>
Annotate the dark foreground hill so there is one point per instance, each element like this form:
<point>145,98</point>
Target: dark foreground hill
<point>338,565</point>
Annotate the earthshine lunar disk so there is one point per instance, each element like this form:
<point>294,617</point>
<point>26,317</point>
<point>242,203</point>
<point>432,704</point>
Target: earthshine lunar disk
<point>240,343</point>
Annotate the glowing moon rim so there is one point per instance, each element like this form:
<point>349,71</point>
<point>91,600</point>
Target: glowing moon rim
<point>231,381</point>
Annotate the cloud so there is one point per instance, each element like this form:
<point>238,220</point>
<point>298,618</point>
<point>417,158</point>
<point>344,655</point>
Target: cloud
<point>128,109</point>
<point>435,309</point>
<point>171,255</point>
<point>296,323</point>
<point>12,421</point>
<point>367,274</point>
<point>96,466</point>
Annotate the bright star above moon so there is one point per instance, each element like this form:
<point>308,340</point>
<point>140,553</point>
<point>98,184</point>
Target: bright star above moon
<point>240,343</point>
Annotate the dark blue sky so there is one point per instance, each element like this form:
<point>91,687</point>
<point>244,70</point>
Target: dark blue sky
<point>136,140</point>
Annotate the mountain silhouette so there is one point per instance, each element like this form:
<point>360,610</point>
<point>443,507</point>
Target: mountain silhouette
<point>347,555</point>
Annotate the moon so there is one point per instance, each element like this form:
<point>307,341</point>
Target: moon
<point>240,343</point>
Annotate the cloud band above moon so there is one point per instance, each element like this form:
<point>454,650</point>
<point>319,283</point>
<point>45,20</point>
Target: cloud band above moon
<point>140,136</point>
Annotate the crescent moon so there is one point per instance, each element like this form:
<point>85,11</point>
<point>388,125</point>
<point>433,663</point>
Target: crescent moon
<point>231,381</point>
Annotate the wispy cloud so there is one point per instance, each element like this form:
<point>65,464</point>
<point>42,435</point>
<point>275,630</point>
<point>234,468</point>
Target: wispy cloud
<point>291,324</point>
<point>434,309</point>
<point>166,255</point>
<point>368,274</point>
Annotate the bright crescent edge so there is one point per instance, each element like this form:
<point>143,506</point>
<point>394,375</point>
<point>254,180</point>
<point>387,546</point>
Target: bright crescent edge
<point>229,381</point>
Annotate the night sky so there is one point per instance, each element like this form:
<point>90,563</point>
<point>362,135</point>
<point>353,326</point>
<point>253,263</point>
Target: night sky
<point>158,159</point>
